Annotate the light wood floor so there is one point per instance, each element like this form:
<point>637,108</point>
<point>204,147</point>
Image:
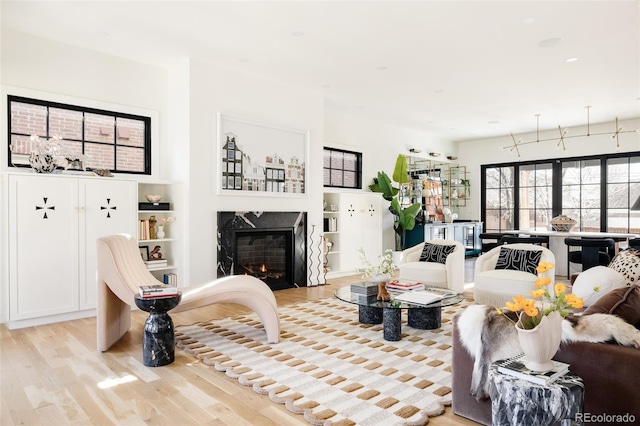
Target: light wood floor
<point>53,375</point>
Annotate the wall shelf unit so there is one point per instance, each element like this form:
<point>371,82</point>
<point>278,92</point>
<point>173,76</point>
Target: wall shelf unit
<point>170,246</point>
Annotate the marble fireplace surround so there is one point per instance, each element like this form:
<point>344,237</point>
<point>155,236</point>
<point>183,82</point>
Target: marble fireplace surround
<point>229,222</point>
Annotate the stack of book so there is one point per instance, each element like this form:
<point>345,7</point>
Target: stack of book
<point>515,367</point>
<point>153,264</point>
<point>366,289</point>
<point>330,224</point>
<point>143,229</point>
<point>405,286</point>
<point>171,279</point>
<point>158,290</point>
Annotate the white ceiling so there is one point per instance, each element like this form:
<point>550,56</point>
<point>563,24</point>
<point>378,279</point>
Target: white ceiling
<point>459,70</point>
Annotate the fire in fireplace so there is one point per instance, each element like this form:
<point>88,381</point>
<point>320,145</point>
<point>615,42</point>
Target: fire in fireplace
<point>266,254</point>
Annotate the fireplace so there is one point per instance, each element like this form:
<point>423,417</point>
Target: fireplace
<point>265,254</point>
<point>270,246</point>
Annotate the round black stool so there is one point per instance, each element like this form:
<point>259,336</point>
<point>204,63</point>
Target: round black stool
<point>158,339</point>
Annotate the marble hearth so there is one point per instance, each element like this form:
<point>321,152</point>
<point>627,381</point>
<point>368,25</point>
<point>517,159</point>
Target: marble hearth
<point>268,245</point>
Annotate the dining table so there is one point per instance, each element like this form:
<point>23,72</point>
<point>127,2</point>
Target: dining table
<point>559,248</point>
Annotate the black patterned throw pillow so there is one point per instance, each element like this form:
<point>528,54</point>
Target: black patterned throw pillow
<point>519,260</point>
<point>436,253</point>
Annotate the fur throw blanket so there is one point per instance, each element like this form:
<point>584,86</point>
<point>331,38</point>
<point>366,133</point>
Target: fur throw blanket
<point>489,336</point>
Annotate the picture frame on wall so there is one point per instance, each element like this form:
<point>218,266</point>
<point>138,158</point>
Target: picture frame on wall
<point>258,159</point>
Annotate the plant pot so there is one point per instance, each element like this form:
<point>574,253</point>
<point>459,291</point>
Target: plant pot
<point>160,233</point>
<point>541,343</point>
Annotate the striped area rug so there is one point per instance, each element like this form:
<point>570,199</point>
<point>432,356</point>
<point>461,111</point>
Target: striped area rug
<point>330,368</point>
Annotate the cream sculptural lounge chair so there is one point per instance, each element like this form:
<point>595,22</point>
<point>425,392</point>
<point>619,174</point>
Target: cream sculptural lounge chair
<point>121,271</point>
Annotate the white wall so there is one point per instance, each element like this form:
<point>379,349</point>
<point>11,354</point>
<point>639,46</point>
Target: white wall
<point>214,90</point>
<point>473,154</point>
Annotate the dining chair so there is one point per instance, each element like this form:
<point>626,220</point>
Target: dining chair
<point>515,239</point>
<point>592,252</point>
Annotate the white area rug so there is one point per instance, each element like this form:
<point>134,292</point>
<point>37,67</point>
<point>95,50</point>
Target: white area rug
<point>329,367</point>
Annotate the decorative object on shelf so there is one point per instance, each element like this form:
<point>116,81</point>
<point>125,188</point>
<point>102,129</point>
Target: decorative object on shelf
<point>539,324</point>
<point>380,273</point>
<point>155,254</point>
<point>324,205</point>
<point>404,212</point>
<point>160,233</point>
<point>44,154</point>
<point>467,186</point>
<point>42,163</point>
<point>615,135</point>
<point>562,223</point>
<point>144,252</point>
<point>153,198</point>
<point>50,154</point>
<point>103,172</point>
<point>152,228</point>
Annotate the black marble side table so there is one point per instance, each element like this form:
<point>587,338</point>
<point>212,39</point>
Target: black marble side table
<point>520,402</point>
<point>158,339</point>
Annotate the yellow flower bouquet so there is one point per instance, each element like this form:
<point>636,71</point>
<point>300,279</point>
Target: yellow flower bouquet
<point>542,303</point>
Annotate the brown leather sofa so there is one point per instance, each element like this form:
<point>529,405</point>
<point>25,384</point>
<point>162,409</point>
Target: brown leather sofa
<point>611,375</point>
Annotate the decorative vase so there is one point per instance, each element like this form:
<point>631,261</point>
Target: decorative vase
<point>382,279</point>
<point>42,163</point>
<point>541,343</point>
<point>160,232</point>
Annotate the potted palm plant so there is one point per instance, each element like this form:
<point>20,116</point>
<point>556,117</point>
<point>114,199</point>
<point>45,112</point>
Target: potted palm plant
<point>403,210</point>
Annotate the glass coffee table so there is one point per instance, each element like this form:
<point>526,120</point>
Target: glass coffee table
<point>421,316</point>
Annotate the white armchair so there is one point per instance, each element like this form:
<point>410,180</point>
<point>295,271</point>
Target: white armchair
<point>494,287</point>
<point>448,275</point>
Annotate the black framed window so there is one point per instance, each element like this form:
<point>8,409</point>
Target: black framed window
<point>108,140</point>
<point>342,169</point>
<point>499,196</point>
<point>598,191</point>
<point>536,195</point>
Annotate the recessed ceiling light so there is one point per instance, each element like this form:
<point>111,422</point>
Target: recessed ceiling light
<point>243,60</point>
<point>569,60</point>
<point>297,34</point>
<point>381,68</point>
<point>493,122</point>
<point>528,20</point>
<point>326,86</point>
<point>550,42</point>
<point>438,91</point>
<point>103,34</point>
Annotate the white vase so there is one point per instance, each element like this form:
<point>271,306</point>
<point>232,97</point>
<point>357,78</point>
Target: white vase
<point>160,233</point>
<point>380,278</point>
<point>541,343</point>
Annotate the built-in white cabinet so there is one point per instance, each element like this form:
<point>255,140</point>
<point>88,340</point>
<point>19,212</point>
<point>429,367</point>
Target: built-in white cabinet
<point>359,224</point>
<point>53,224</point>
